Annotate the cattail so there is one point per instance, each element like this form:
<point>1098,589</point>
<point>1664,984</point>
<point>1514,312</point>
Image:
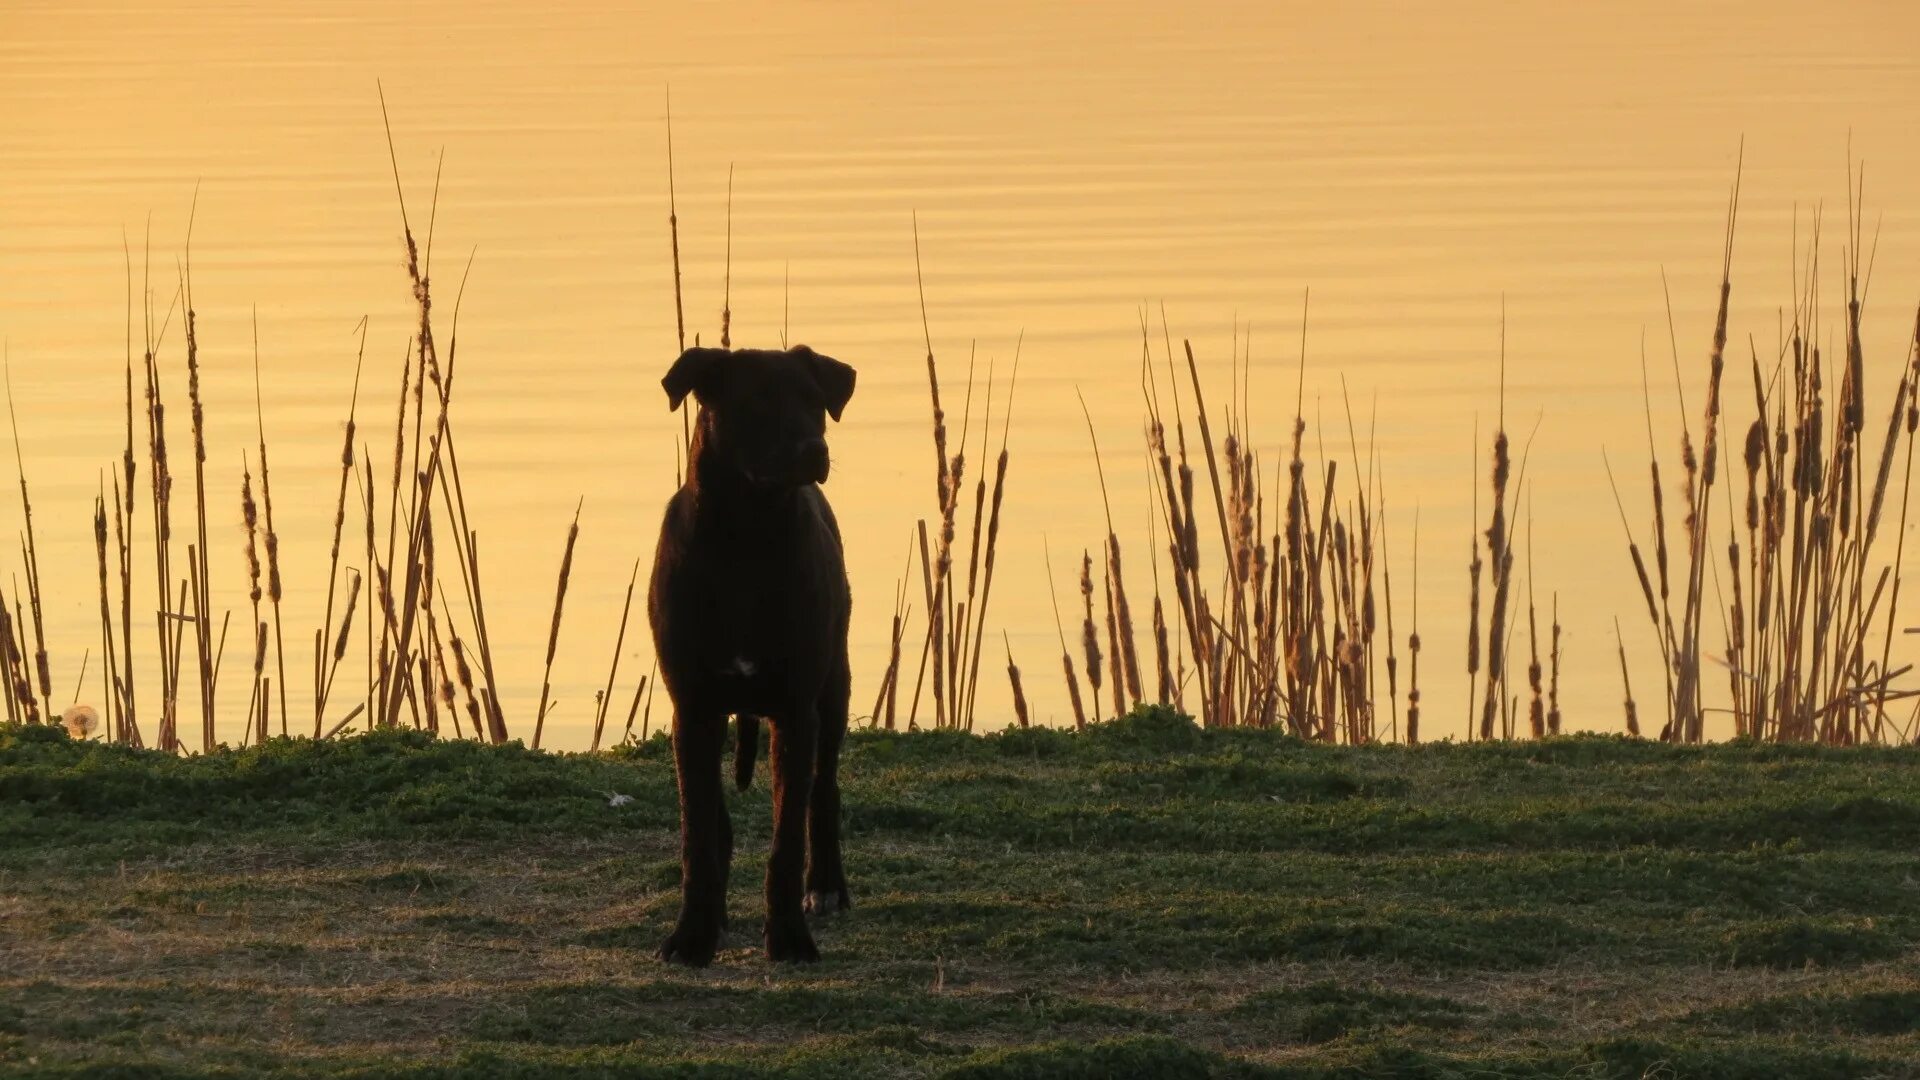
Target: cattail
<point>1123,620</point>
<point>272,536</point>
<point>161,485</point>
<point>633,710</point>
<point>1013,679</point>
<point>426,682</point>
<point>1089,637</point>
<point>1165,690</point>
<point>1473,620</point>
<point>1536,706</point>
<point>1073,693</point>
<point>553,634</point>
<point>993,541</point>
<point>31,556</point>
<point>197,555</point>
<point>1498,550</point>
<point>1066,657</point>
<point>1626,680</point>
<point>346,619</point>
<point>1413,644</point>
<point>1553,683</point>
<point>322,674</point>
<point>448,700</point>
<point>1116,665</point>
<point>465,672</point>
<point>250,522</point>
<point>110,672</point>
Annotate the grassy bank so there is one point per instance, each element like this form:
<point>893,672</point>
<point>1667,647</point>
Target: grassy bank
<point>1145,899</point>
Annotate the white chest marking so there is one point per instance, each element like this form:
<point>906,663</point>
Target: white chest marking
<point>742,666</point>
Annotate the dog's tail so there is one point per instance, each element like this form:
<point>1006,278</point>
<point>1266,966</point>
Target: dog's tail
<point>746,745</point>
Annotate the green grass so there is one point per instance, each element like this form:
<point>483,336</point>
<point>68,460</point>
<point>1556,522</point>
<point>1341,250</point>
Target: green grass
<point>1143,900</point>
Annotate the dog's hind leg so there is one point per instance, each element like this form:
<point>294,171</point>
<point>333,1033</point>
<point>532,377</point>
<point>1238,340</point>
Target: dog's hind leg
<point>705,836</point>
<point>826,876</point>
<point>787,937</point>
<point>723,851</point>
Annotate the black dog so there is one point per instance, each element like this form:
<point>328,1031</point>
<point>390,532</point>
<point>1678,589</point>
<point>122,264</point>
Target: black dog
<point>749,606</point>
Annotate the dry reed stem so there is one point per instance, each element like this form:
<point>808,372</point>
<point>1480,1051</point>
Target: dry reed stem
<point>1013,679</point>
<point>110,671</point>
<point>1066,657</point>
<point>1474,570</point>
<point>613,669</point>
<point>250,521</point>
<point>1413,644</point>
<point>272,535</point>
<point>42,669</point>
<point>553,634</point>
<point>322,671</point>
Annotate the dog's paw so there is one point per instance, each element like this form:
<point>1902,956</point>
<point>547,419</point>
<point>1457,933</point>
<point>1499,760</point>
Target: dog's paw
<point>693,941</point>
<point>827,902</point>
<point>790,942</point>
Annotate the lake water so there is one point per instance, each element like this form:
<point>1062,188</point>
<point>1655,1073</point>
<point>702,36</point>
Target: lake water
<point>1415,165</point>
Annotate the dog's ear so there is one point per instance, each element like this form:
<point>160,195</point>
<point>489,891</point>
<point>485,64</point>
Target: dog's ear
<point>834,378</point>
<point>693,373</point>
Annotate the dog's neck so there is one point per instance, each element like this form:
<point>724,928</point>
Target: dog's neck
<point>722,491</point>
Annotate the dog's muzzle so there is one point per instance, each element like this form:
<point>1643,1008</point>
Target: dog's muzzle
<point>811,461</point>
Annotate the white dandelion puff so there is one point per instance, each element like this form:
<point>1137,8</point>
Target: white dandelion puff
<point>81,721</point>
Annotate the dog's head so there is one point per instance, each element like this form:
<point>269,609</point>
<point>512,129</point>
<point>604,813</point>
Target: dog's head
<point>765,410</point>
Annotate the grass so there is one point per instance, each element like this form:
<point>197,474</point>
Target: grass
<point>1143,899</point>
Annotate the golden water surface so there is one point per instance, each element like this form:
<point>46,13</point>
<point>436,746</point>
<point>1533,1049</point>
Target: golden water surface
<point>1071,165</point>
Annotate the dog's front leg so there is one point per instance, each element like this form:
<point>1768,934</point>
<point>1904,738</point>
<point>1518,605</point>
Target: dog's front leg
<point>704,838</point>
<point>787,936</point>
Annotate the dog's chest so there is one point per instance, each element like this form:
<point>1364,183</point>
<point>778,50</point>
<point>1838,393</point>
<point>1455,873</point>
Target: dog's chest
<point>754,619</point>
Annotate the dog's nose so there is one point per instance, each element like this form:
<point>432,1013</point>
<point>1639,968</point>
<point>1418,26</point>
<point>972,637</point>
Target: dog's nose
<point>813,461</point>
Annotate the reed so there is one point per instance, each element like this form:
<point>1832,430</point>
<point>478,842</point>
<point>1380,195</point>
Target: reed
<point>1807,588</point>
<point>956,615</point>
<point>978,611</point>
<point>1089,635</point>
<point>199,570</point>
<point>1626,682</point>
<point>1804,566</point>
<point>110,691</point>
<point>1498,537</point>
<point>250,521</point>
<point>679,304</point>
<point>1536,701</point>
<point>1413,643</point>
<point>1289,633</point>
<point>323,670</point>
<point>884,704</point>
<point>270,535</point>
<point>1013,681</point>
<point>1124,675</point>
<point>1066,656</point>
<point>30,553</point>
<point>605,697</point>
<point>553,632</point>
<point>161,488</point>
<point>1553,674</point>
